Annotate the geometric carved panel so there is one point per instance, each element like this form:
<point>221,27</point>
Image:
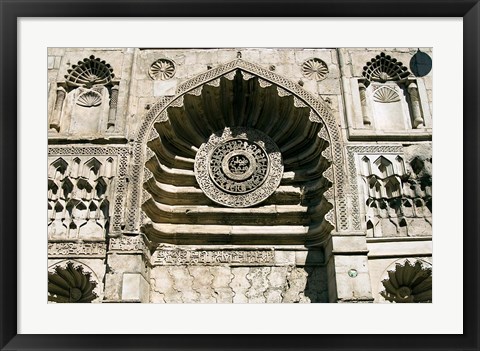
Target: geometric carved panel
<point>395,188</point>
<point>86,185</point>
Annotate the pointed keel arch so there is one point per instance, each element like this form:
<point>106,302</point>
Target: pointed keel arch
<point>300,184</point>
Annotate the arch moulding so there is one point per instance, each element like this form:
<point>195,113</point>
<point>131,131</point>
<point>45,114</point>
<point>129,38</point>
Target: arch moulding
<point>320,113</point>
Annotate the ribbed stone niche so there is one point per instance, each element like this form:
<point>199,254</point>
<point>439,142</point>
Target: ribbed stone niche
<point>250,128</point>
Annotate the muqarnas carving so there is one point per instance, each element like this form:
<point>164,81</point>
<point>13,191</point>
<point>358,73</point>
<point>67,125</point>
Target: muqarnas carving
<point>87,101</point>
<point>315,68</point>
<point>408,283</point>
<point>70,284</point>
<point>389,98</point>
<point>162,69</point>
<point>398,195</point>
<point>234,160</point>
<point>78,198</point>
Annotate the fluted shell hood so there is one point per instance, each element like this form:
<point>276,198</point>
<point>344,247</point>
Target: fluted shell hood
<point>180,209</point>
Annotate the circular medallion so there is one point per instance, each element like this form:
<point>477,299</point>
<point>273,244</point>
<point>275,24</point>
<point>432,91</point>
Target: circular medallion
<point>238,167</point>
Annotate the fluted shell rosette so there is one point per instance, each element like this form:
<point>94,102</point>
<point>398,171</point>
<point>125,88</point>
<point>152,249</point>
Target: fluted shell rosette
<point>383,68</point>
<point>408,283</point>
<point>162,69</point>
<point>315,68</point>
<point>70,285</point>
<point>89,98</point>
<point>385,95</point>
<point>91,71</point>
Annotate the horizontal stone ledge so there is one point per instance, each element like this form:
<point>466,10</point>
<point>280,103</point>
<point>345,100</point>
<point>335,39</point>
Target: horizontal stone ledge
<point>350,253</point>
<point>227,229</point>
<point>67,139</point>
<point>349,243</point>
<point>77,241</point>
<point>209,215</point>
<point>53,256</point>
<point>424,134</point>
<point>233,234</point>
<point>124,252</point>
<point>400,248</point>
<point>396,256</point>
<point>235,247</point>
<point>399,239</point>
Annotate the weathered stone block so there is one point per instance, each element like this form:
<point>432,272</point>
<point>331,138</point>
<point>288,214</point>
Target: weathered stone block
<point>135,287</point>
<point>165,88</point>
<point>50,62</point>
<point>144,87</point>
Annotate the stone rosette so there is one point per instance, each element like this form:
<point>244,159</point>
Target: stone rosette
<point>238,167</point>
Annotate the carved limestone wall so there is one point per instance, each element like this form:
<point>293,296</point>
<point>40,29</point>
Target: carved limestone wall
<point>219,275</point>
<point>235,175</point>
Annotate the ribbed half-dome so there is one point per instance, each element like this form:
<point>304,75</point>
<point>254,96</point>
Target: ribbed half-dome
<point>408,283</point>
<point>71,284</point>
<point>180,211</point>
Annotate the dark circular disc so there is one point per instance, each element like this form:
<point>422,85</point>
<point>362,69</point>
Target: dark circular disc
<point>420,64</point>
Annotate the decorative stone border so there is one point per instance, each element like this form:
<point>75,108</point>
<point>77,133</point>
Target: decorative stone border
<point>321,114</point>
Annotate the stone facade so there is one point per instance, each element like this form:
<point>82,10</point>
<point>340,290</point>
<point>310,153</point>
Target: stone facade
<point>241,175</point>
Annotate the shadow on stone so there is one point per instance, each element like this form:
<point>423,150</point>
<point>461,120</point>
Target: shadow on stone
<point>316,288</point>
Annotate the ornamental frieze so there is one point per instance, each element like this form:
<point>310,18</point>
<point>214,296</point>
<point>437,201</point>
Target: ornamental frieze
<point>60,249</point>
<point>213,257</point>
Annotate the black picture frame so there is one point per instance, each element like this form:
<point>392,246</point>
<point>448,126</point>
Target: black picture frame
<point>11,10</point>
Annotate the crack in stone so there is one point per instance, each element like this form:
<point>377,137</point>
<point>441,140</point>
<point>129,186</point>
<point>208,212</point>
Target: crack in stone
<point>154,285</point>
<point>180,294</point>
<point>230,282</point>
<point>247,291</point>
<point>281,271</point>
<point>186,285</point>
<point>198,294</point>
<point>267,284</point>
<point>240,282</point>
<point>259,284</point>
<point>230,286</point>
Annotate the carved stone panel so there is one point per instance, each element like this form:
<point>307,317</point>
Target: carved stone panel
<point>86,101</point>
<point>76,249</point>
<point>86,191</point>
<point>240,168</point>
<point>213,257</point>
<point>396,193</point>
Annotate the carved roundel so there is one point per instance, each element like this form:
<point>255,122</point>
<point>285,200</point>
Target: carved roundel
<point>162,69</point>
<point>238,167</point>
<point>315,68</point>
